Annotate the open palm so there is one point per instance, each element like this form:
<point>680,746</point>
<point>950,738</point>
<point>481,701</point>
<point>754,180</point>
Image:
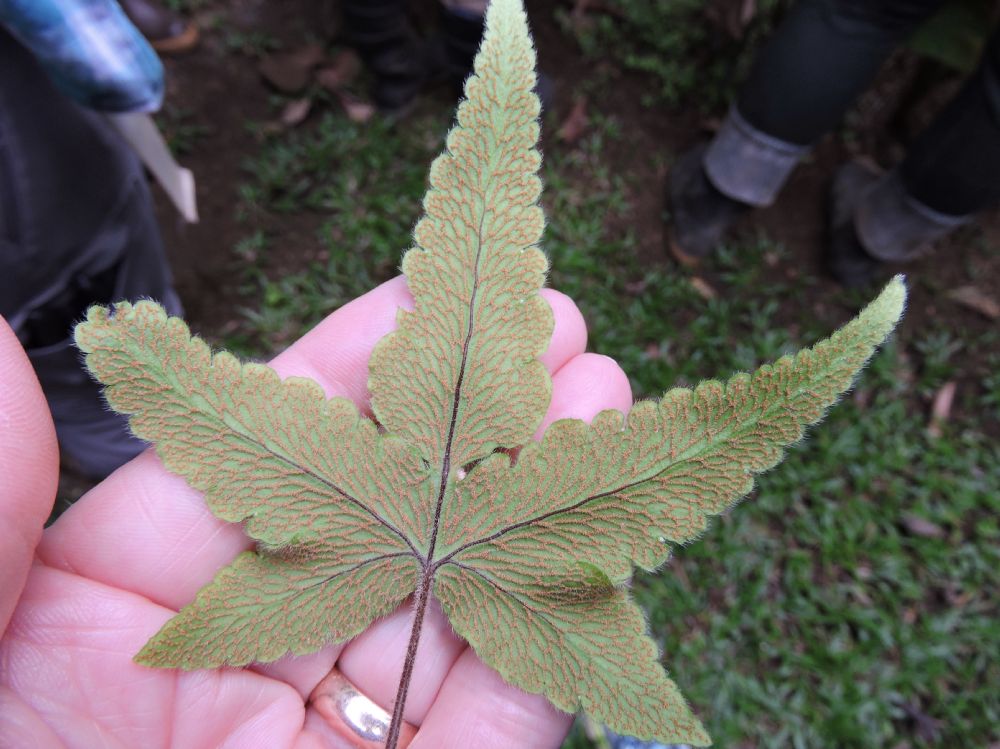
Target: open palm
<point>81,599</point>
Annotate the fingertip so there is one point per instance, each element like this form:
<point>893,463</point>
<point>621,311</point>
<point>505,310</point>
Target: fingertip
<point>374,659</point>
<point>585,386</point>
<point>569,336</point>
<point>335,353</point>
<point>29,465</point>
<point>476,707</point>
<point>28,437</point>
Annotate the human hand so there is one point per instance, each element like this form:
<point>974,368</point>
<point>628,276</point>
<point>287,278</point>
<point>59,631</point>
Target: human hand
<point>135,549</point>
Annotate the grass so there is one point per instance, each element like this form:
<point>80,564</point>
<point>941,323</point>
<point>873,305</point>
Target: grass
<point>181,129</point>
<point>850,602</point>
<point>683,56</point>
<point>366,182</point>
<point>813,617</point>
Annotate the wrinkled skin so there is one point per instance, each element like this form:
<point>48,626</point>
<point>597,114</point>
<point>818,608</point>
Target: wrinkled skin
<point>79,600</point>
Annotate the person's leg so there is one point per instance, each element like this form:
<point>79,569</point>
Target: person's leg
<point>824,54</point>
<point>953,169</point>
<point>463,30</point>
<point>94,439</point>
<point>76,227</point>
<point>821,57</point>
<point>402,63</point>
<point>950,173</point>
<point>389,46</point>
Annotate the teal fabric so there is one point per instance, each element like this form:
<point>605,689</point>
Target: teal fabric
<point>90,50</point>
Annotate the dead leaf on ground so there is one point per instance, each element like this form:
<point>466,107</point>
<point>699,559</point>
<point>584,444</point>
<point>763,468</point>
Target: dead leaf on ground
<point>575,123</point>
<point>976,299</point>
<point>357,110</point>
<point>955,596</point>
<point>636,288</point>
<point>339,73</point>
<point>290,71</point>
<point>704,289</point>
<point>684,259</point>
<point>941,408</point>
<point>918,526</point>
<point>295,112</point>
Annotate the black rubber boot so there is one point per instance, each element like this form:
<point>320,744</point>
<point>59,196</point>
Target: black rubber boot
<point>700,214</point>
<point>463,33</point>
<point>389,46</point>
<point>846,259</point>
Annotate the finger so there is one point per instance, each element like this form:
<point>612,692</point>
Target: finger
<point>477,708</point>
<point>439,646</point>
<point>583,386</point>
<point>373,661</point>
<point>569,336</point>
<point>374,655</point>
<point>586,385</point>
<point>316,734</point>
<point>68,655</point>
<point>29,465</point>
<point>335,353</point>
<point>303,672</point>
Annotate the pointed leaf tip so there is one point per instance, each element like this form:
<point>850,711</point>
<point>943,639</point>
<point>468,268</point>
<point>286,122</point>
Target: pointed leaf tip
<point>891,302</point>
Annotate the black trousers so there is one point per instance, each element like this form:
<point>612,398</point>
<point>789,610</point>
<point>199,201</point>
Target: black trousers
<point>825,54</point>
<point>76,227</point>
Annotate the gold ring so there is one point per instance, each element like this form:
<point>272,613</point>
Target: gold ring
<point>353,715</point>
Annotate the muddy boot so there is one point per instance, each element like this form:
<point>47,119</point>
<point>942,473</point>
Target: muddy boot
<point>712,185</point>
<point>166,31</point>
<point>700,214</point>
<point>874,220</point>
<point>846,259</point>
<point>391,49</point>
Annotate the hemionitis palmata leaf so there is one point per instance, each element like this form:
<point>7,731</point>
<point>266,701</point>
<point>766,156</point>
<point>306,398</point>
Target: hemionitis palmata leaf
<point>529,558</point>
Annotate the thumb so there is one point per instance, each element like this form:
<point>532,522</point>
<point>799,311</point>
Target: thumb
<point>29,467</point>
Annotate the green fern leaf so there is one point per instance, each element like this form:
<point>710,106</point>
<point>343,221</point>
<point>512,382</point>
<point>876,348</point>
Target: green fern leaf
<point>461,376</point>
<point>529,559</point>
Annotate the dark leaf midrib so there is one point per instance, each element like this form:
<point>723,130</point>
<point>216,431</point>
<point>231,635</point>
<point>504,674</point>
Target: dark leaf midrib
<point>713,444</point>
